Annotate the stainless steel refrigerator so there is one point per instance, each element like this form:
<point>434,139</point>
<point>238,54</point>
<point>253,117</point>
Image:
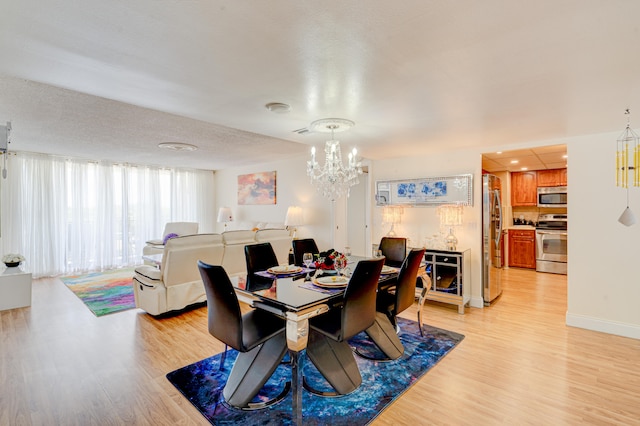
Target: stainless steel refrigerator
<point>491,238</point>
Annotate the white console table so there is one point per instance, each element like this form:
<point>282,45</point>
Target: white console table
<point>15,288</point>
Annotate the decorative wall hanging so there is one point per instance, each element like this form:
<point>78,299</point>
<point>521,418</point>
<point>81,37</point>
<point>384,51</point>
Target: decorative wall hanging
<point>628,163</point>
<point>257,188</point>
<point>432,191</point>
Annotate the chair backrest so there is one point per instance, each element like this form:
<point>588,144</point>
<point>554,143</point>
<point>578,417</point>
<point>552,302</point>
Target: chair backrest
<point>181,254</point>
<point>406,284</point>
<point>180,228</point>
<point>302,246</point>
<point>359,306</point>
<point>394,249</point>
<point>280,240</point>
<point>259,257</point>
<point>223,309</point>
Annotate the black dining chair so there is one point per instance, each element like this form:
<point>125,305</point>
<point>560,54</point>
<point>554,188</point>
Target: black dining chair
<point>259,257</point>
<point>327,347</point>
<point>302,246</point>
<point>394,249</point>
<point>258,336</point>
<point>389,303</point>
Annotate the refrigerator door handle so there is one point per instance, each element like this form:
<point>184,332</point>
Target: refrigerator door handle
<point>496,195</point>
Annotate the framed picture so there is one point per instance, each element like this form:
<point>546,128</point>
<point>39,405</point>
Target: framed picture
<point>257,188</point>
<point>426,191</point>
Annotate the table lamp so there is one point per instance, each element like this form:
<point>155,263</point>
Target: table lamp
<point>224,216</point>
<point>293,218</point>
<point>450,215</point>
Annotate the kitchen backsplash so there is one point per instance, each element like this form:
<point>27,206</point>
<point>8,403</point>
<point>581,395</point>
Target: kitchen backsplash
<point>529,215</point>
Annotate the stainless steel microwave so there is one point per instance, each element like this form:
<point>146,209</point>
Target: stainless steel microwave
<point>552,196</point>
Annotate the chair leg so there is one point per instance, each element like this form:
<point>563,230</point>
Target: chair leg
<point>252,370</point>
<point>223,358</point>
<point>335,361</point>
<point>384,335</point>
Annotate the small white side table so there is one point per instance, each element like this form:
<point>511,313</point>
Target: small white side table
<point>15,288</point>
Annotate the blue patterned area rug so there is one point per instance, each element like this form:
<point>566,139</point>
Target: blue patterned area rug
<point>382,382</point>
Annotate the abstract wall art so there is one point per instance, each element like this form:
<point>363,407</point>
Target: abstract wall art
<point>257,188</point>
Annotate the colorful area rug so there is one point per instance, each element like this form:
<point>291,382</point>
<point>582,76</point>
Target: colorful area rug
<point>382,382</point>
<point>104,292</point>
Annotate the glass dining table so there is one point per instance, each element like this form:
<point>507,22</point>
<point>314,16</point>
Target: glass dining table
<point>295,300</point>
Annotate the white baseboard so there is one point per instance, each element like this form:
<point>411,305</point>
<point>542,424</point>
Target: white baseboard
<point>476,302</point>
<point>604,326</point>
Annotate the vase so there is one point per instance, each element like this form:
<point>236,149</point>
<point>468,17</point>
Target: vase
<point>11,264</point>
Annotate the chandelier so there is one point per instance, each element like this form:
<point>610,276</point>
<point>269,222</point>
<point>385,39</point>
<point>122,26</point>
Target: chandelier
<point>333,179</point>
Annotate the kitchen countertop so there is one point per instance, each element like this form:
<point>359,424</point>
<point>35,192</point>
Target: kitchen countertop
<point>522,227</point>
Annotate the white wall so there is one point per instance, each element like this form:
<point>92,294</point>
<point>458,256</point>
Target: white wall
<point>292,188</point>
<point>420,222</point>
<point>604,269</point>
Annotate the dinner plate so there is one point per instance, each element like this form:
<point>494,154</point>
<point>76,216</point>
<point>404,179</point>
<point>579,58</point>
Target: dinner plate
<point>284,269</point>
<point>331,281</point>
<point>388,270</point>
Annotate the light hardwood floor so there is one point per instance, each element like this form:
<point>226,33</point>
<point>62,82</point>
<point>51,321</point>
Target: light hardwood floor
<point>519,364</point>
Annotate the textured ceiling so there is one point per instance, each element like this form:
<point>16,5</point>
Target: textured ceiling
<point>538,158</point>
<point>111,80</point>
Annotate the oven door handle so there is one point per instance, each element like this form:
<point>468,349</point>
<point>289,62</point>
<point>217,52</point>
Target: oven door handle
<point>552,232</point>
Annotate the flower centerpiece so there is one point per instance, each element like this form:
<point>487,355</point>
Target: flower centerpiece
<point>12,259</point>
<point>327,259</point>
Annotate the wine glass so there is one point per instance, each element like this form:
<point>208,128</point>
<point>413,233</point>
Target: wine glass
<point>341,264</point>
<point>307,259</point>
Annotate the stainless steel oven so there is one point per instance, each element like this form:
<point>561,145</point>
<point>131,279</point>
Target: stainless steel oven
<point>551,244</point>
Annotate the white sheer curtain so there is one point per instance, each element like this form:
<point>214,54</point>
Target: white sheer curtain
<point>68,215</point>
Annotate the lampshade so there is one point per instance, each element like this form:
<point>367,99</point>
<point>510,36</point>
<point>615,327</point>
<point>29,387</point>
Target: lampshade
<point>392,215</point>
<point>294,216</point>
<point>224,214</point>
<point>450,214</point>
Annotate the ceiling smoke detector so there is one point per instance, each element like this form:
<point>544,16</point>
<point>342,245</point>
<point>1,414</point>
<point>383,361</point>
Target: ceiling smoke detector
<point>177,146</point>
<point>278,107</point>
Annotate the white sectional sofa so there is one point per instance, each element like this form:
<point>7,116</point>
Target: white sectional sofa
<point>177,283</point>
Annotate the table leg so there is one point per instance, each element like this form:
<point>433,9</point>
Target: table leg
<point>297,337</point>
<point>296,387</point>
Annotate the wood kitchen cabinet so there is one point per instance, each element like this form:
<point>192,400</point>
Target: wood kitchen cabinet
<point>524,189</point>
<point>552,177</point>
<point>522,248</point>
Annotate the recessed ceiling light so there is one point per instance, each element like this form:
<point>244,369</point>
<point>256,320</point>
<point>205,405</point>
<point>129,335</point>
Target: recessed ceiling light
<point>514,161</point>
<point>499,152</point>
<point>177,146</point>
<point>278,107</point>
<point>524,168</point>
